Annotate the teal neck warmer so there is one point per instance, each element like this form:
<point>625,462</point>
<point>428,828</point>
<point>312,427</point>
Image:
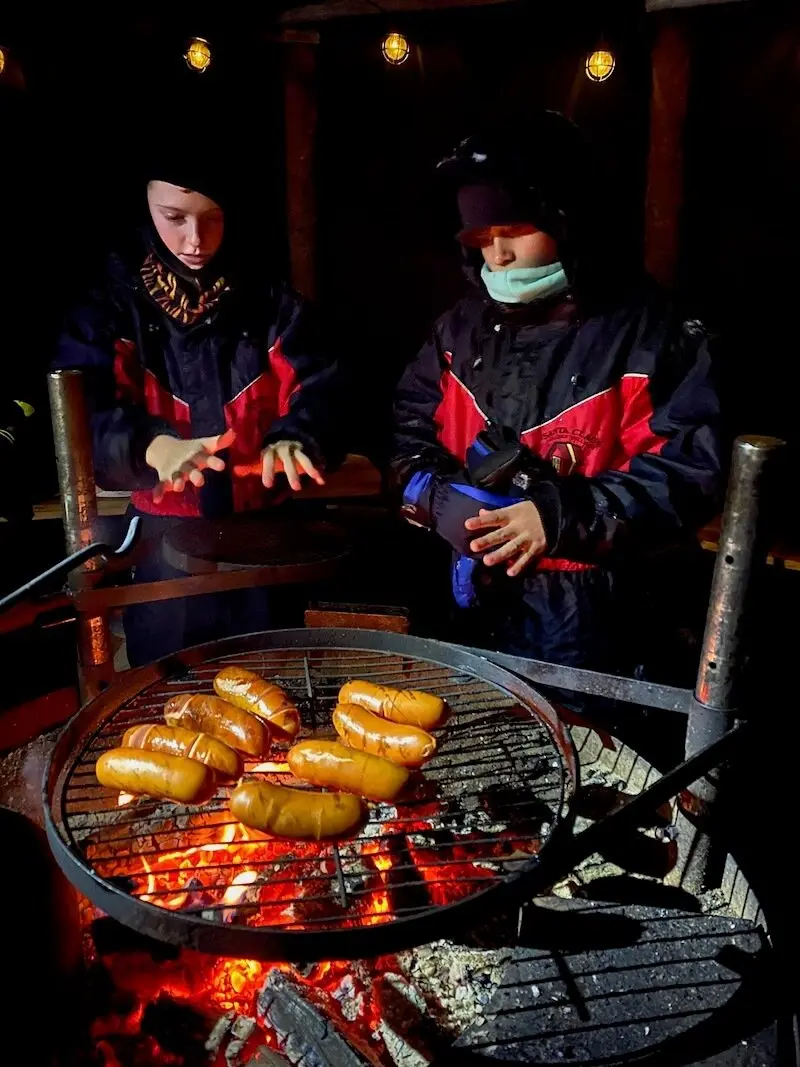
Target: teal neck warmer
<point>521,285</point>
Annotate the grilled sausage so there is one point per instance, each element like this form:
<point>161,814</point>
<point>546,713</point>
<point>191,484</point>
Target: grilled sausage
<point>298,813</point>
<point>248,691</point>
<point>399,705</point>
<point>332,764</point>
<point>156,774</point>
<point>407,745</point>
<point>179,741</point>
<point>215,717</point>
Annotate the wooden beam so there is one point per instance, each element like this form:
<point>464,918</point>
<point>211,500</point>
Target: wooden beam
<point>300,102</point>
<point>671,61</point>
<point>335,9</point>
<point>665,5</point>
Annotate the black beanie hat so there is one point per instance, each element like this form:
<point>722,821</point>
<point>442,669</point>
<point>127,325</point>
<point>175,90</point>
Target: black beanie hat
<point>529,173</point>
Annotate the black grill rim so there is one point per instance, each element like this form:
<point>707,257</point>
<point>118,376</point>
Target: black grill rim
<point>266,943</point>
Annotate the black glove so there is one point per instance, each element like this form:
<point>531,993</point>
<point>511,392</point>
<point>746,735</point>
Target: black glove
<point>497,460</point>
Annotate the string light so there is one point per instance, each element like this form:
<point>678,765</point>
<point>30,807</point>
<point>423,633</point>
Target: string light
<point>600,65</point>
<point>198,55</point>
<point>2,60</point>
<point>395,48</point>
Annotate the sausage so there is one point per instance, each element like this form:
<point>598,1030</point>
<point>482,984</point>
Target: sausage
<point>217,718</point>
<point>298,813</point>
<point>399,705</point>
<point>179,741</point>
<point>156,774</point>
<point>329,763</point>
<point>248,691</point>
<point>407,745</point>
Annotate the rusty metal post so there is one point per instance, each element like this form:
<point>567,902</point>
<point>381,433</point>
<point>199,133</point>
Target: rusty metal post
<point>73,444</point>
<point>742,551</point>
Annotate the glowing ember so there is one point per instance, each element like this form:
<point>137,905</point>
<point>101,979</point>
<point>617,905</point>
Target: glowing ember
<point>124,798</point>
<point>269,768</point>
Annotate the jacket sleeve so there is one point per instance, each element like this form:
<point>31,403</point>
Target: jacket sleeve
<point>417,449</point>
<point>668,480</point>
<point>437,490</point>
<point>311,400</point>
<point>121,429</point>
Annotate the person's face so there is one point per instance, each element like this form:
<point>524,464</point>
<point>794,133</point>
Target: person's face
<point>507,247</point>
<point>189,224</point>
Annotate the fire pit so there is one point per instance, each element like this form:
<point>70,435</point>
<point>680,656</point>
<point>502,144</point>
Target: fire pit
<point>472,826</point>
<point>590,974</point>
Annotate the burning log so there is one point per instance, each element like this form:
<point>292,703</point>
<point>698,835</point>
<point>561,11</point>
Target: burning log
<point>242,1030</point>
<point>305,1036</point>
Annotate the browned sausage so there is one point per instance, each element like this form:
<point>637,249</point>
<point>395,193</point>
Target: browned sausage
<point>332,764</point>
<point>252,693</point>
<point>407,745</point>
<point>179,741</point>
<point>399,705</point>
<point>297,813</point>
<point>156,774</point>
<point>216,717</point>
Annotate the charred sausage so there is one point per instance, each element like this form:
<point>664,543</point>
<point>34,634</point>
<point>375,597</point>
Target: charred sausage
<point>329,763</point>
<point>409,706</point>
<point>216,717</point>
<point>252,693</point>
<point>297,813</point>
<point>407,745</point>
<point>156,774</point>
<point>178,741</point>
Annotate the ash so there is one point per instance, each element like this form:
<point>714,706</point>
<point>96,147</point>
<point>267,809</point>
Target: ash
<point>451,982</point>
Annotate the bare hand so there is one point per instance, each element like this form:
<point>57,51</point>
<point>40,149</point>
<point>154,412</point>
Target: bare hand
<point>176,461</point>
<point>517,532</point>
<point>289,457</point>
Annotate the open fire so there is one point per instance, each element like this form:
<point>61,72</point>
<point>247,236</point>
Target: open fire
<point>239,875</point>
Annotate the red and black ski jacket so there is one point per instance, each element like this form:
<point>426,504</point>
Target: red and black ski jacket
<point>256,365</point>
<point>621,404</point>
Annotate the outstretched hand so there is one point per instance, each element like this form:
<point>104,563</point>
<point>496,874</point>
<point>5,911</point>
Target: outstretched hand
<point>282,457</point>
<point>177,462</point>
<point>517,536</point>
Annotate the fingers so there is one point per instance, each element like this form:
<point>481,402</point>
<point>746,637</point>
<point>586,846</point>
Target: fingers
<point>289,468</point>
<point>486,519</point>
<point>214,463</point>
<point>508,551</point>
<point>268,468</point>
<point>519,564</point>
<point>497,537</point>
<point>305,463</point>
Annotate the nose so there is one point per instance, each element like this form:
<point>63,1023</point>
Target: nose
<point>193,236</point>
<point>502,251</point>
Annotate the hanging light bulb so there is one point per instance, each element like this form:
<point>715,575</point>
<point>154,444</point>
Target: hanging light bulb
<point>600,65</point>
<point>395,48</point>
<point>2,60</point>
<point>198,55</point>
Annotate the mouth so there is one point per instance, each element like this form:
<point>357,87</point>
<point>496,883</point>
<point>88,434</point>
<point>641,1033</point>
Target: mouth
<point>193,261</point>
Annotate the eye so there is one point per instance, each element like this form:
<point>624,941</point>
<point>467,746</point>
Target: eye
<point>172,217</point>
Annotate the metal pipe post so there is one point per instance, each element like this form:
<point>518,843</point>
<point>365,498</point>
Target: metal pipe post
<point>73,444</point>
<point>742,550</point>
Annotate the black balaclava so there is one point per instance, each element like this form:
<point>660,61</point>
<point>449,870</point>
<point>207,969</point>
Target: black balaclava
<point>195,166</point>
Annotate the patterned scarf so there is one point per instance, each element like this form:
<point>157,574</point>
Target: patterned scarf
<point>180,300</point>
